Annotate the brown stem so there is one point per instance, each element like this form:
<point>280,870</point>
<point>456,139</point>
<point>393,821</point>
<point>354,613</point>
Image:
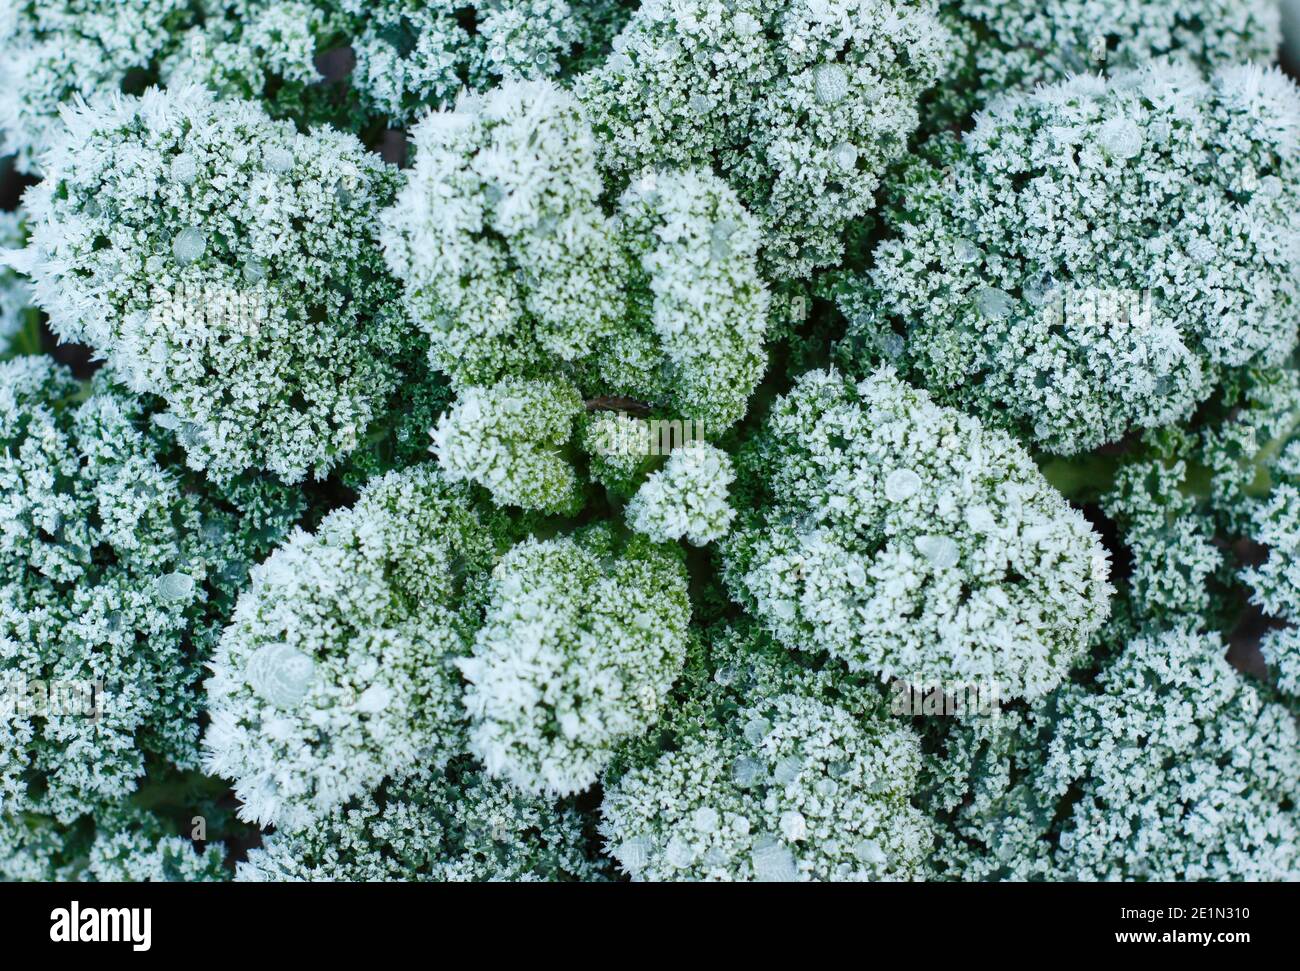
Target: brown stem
<point>614,403</point>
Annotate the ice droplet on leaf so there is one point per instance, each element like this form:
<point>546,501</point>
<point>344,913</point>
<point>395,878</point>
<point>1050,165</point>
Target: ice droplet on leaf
<point>902,484</point>
<point>280,674</point>
<point>188,245</point>
<point>830,83</point>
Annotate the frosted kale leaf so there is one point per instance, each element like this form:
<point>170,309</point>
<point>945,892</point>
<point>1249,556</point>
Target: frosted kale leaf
<point>515,267</point>
<point>228,264</point>
<point>438,825</point>
<point>909,541</point>
<point>118,567</point>
<point>800,106</point>
<point>581,641</point>
<point>791,789</point>
<point>1074,268</point>
<point>337,667</point>
<point>1010,46</point>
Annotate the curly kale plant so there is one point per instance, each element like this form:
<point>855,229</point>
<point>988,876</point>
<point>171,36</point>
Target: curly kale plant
<point>793,789</point>
<point>1017,46</point>
<point>676,440</point>
<point>580,643</point>
<point>412,54</point>
<point>441,826</point>
<point>1168,767</point>
<point>337,668</point>
<point>516,269</point>
<point>57,52</point>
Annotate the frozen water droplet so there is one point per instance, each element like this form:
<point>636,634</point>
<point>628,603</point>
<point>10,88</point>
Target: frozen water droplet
<point>720,234</point>
<point>846,156</point>
<point>747,772</point>
<point>280,674</point>
<point>746,24</point>
<point>634,854</point>
<point>191,434</point>
<point>793,826</point>
<point>1039,290</point>
<point>277,159</point>
<point>993,303</point>
<point>700,104</point>
<point>705,819</point>
<point>830,83</point>
<point>725,675</point>
<point>254,271</point>
<point>215,531</point>
<point>967,251</point>
<point>175,586</point>
<point>902,484</point>
<point>1121,138</point>
<point>546,226</point>
<point>185,169</point>
<point>787,770</point>
<point>756,730</point>
<point>774,863</point>
<point>941,551</point>
<point>374,699</point>
<point>869,852</point>
<point>679,852</point>
<point>188,245</point>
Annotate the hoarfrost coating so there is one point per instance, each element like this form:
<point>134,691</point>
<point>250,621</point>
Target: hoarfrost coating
<point>532,440</point>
